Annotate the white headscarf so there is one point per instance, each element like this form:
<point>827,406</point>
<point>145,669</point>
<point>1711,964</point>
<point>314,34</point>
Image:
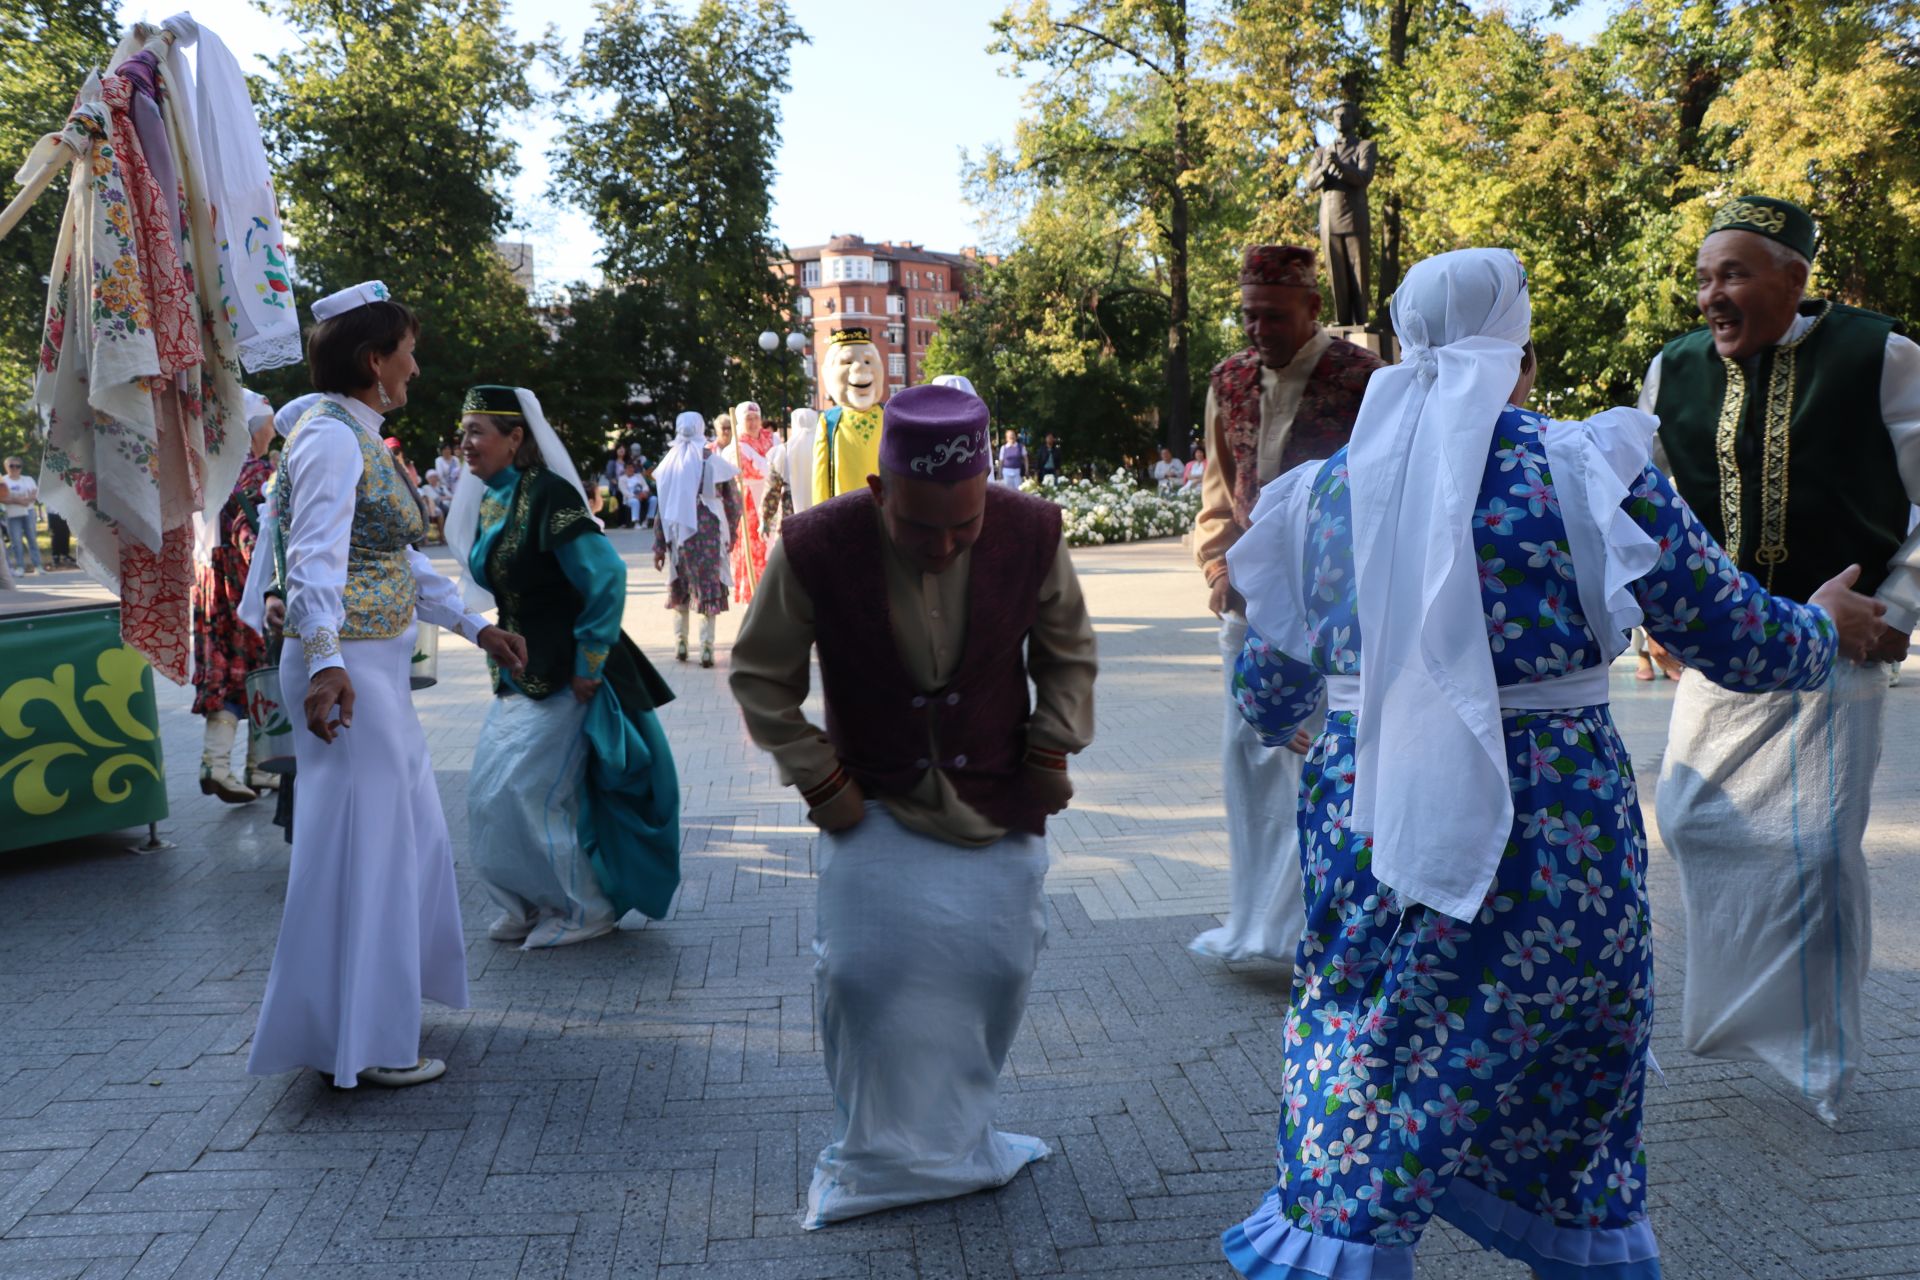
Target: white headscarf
<point>959,380</point>
<point>1431,768</point>
<point>462,524</point>
<point>290,413</point>
<point>687,480</point>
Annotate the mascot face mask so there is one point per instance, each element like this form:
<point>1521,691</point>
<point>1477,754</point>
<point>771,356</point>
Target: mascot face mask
<point>853,374</point>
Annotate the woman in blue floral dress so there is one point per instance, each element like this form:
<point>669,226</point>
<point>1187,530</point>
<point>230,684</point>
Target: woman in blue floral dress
<point>1486,1065</point>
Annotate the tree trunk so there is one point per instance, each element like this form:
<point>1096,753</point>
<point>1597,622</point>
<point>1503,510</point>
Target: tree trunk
<point>1389,274</point>
<point>1179,374</point>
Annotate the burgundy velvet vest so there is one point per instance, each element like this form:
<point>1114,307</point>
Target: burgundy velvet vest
<point>887,731</point>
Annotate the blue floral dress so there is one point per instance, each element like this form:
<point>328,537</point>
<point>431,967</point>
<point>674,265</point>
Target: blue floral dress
<point>1490,1070</point>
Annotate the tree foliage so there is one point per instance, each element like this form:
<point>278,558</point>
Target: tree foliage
<point>46,49</point>
<point>386,128</point>
<point>672,133</point>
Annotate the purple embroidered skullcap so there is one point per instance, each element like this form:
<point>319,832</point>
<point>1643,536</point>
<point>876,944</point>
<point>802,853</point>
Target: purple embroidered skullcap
<point>935,433</point>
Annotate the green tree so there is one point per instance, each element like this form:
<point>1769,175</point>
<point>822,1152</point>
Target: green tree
<point>671,140</point>
<point>386,127</point>
<point>46,48</point>
<point>1117,115</point>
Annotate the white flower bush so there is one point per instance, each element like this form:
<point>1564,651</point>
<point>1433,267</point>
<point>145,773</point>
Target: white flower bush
<point>1116,510</point>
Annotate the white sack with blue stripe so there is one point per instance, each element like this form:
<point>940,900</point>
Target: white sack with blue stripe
<point>1763,803</point>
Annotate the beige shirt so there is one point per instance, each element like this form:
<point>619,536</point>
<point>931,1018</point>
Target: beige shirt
<point>1215,528</point>
<point>771,672</point>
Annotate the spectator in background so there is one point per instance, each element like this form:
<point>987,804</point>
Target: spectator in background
<point>1168,473</point>
<point>1013,461</point>
<point>436,496</point>
<point>448,468</point>
<point>19,492</point>
<point>636,493</point>
<point>615,468</point>
<point>1197,468</point>
<point>1046,459</point>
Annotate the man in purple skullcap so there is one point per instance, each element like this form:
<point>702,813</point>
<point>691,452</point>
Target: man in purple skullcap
<point>1290,397</point>
<point>934,601</point>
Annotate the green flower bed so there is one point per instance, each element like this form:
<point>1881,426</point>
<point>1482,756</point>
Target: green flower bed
<point>1116,510</point>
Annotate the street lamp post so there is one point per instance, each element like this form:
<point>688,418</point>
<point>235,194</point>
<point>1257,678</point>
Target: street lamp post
<point>795,343</point>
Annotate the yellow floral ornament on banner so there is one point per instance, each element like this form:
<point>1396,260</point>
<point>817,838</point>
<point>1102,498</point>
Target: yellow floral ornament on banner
<point>121,674</point>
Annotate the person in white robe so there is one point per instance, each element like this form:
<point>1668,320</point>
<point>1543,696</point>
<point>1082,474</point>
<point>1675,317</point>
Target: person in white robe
<point>1764,800</point>
<point>372,919</point>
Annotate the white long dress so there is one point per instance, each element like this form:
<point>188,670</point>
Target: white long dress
<point>372,919</point>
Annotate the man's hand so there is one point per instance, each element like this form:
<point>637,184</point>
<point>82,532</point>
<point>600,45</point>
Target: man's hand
<point>331,689</point>
<point>1052,787</point>
<point>1892,645</point>
<point>504,647</point>
<point>1856,617</point>
<point>584,689</point>
<point>1222,599</point>
<point>1664,660</point>
<point>841,811</point>
<point>276,618</point>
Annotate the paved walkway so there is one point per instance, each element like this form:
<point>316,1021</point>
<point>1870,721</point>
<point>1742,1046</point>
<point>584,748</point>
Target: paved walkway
<point>649,1104</point>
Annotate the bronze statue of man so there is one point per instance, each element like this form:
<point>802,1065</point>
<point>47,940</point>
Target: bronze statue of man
<point>1340,173</point>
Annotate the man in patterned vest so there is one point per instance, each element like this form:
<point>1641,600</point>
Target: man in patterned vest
<point>1791,426</point>
<point>934,600</point>
<point>1290,397</point>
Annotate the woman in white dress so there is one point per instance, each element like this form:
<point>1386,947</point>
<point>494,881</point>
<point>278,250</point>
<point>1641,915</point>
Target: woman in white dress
<point>372,920</point>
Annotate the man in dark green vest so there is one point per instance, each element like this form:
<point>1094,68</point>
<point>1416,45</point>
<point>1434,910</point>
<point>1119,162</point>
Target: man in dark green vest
<point>1791,426</point>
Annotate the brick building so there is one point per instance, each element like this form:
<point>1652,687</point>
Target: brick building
<point>897,290</point>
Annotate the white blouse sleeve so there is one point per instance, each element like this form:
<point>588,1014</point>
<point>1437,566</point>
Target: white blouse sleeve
<point>323,468</point>
<point>439,601</point>
<point>1900,410</point>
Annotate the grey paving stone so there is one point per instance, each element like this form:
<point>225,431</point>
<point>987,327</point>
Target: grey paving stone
<point>651,1104</point>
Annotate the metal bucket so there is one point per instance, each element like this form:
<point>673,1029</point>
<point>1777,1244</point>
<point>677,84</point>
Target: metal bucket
<point>269,719</point>
<point>425,671</point>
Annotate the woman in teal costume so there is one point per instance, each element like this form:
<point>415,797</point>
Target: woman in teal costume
<point>573,804</point>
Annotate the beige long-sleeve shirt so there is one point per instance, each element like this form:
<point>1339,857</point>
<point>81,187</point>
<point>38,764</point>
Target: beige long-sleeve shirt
<point>1218,526</point>
<point>771,673</point>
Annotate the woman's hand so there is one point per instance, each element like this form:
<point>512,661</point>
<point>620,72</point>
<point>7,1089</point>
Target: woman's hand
<point>276,613</point>
<point>504,647</point>
<point>332,688</point>
<point>585,689</point>
<point>1857,618</point>
<point>659,560</point>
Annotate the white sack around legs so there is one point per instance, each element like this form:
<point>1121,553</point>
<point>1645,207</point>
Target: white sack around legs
<point>1763,803</point>
<point>372,921</point>
<point>523,811</point>
<point>925,954</point>
<point>1267,913</point>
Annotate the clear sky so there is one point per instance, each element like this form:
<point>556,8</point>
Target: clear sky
<point>917,72</point>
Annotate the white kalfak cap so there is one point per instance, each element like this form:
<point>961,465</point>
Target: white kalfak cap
<point>349,299</point>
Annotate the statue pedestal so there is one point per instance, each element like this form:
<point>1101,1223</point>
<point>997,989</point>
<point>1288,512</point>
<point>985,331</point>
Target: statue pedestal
<point>1381,345</point>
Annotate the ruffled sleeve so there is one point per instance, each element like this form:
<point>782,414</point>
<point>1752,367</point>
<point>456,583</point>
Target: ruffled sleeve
<point>1265,565</point>
<point>1594,464</point>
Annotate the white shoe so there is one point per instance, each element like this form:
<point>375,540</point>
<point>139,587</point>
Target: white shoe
<point>510,928</point>
<point>554,932</point>
<point>424,1071</point>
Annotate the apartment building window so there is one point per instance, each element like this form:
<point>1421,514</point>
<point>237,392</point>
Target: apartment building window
<point>805,306</point>
<point>913,279</point>
<point>895,388</point>
<point>882,272</point>
<point>896,335</point>
<point>896,366</point>
<point>896,305</point>
<point>810,273</point>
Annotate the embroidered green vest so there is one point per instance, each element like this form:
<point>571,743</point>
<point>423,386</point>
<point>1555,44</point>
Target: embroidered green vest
<point>533,593</point>
<point>380,592</point>
<point>1786,459</point>
<point>541,513</point>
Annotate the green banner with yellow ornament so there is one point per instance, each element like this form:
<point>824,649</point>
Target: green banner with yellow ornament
<point>79,753</point>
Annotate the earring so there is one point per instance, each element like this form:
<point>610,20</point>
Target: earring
<point>386,401</point>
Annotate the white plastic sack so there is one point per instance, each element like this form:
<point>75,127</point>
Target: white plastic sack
<point>1267,913</point>
<point>1763,802</point>
<point>925,951</point>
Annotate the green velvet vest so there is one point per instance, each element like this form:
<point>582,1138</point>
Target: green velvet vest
<point>538,602</point>
<point>1785,458</point>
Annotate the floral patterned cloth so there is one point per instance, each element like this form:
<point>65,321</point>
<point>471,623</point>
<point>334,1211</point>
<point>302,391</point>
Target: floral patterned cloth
<point>1490,1070</point>
<point>137,389</point>
<point>225,648</point>
<point>699,567</point>
<point>748,553</point>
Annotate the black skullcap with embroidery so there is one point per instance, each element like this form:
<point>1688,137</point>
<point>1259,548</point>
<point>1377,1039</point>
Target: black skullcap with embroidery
<point>1779,220</point>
